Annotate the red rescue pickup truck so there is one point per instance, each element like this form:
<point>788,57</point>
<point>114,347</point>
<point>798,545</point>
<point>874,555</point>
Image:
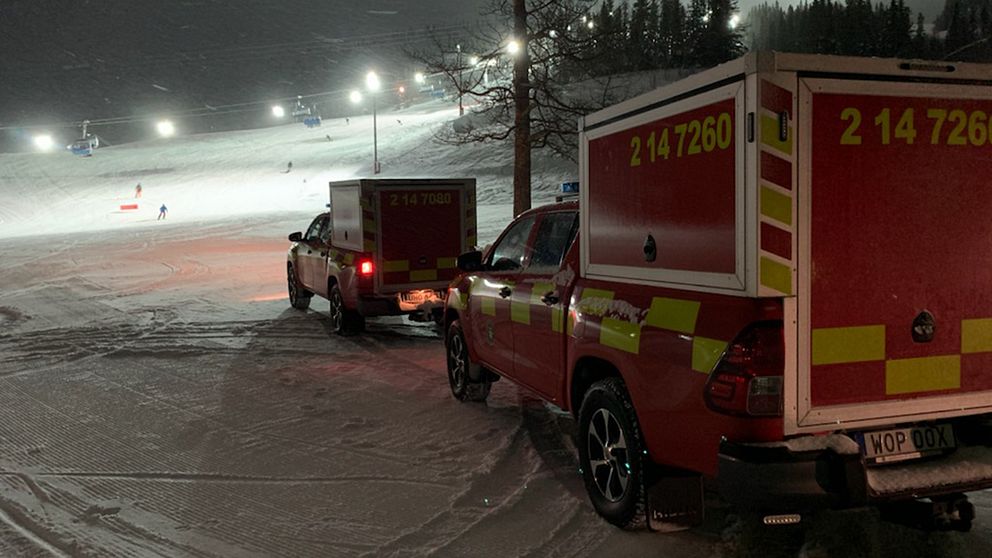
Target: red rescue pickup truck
<point>776,277</point>
<point>386,247</point>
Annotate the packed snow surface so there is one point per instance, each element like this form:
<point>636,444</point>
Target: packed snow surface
<point>159,397</point>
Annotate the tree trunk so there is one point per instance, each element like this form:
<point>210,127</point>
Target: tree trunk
<point>521,115</point>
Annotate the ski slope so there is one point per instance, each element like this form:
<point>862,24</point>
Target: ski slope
<point>215,176</point>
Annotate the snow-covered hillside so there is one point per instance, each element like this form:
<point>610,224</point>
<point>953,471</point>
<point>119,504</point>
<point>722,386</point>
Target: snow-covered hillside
<point>239,173</point>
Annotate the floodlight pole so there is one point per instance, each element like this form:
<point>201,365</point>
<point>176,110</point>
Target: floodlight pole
<point>375,139</point>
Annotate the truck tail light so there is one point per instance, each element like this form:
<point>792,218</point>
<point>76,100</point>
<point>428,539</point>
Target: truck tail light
<point>365,268</point>
<point>747,380</point>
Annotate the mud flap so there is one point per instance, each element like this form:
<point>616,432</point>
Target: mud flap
<point>675,503</point>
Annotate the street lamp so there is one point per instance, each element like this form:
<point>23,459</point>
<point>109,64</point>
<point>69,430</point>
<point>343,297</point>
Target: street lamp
<point>419,77</point>
<point>372,83</point>
<point>44,142</point>
<point>461,109</point>
<point>165,128</point>
<point>355,96</point>
<point>278,111</point>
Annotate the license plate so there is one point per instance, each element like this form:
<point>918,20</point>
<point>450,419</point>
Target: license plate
<point>887,446</point>
<point>417,297</point>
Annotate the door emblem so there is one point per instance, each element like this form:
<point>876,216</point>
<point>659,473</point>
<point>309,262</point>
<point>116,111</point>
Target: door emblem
<point>923,327</point>
<point>490,333</point>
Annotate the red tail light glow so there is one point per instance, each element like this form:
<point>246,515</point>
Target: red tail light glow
<point>365,268</point>
<point>747,380</point>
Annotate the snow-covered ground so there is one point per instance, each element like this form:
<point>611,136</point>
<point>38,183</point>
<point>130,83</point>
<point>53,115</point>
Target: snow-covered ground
<point>158,397</point>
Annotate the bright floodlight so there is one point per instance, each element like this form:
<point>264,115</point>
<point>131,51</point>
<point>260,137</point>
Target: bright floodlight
<point>356,97</point>
<point>372,81</point>
<point>552,33</point>
<point>402,90</point>
<point>44,142</point>
<point>165,128</point>
<point>473,60</point>
<point>590,24</point>
<point>735,21</point>
<point>278,111</point>
<point>419,77</point>
<point>513,47</point>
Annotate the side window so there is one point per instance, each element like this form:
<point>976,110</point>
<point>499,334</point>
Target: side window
<point>325,235</point>
<point>554,235</point>
<point>313,233</point>
<point>508,254</point>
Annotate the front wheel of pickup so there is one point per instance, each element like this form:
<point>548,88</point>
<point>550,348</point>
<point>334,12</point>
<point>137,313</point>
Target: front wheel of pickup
<point>460,365</point>
<point>299,297</point>
<point>611,454</point>
<point>343,321</point>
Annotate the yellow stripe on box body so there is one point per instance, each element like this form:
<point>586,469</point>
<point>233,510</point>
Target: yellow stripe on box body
<point>620,334</point>
<point>836,345</point>
<point>976,336</point>
<point>368,225</point>
<point>915,375</point>
<point>392,266</point>
<point>447,263</point>
<point>369,245</point>
<point>706,353</point>
<point>770,135</point>
<point>673,314</point>
<point>423,275</point>
<point>776,275</point>
<point>776,205</point>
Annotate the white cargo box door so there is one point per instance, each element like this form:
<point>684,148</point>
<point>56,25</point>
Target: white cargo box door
<point>894,314</point>
<point>346,212</point>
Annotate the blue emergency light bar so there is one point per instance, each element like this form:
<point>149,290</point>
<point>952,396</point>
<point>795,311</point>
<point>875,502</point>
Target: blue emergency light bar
<point>570,187</point>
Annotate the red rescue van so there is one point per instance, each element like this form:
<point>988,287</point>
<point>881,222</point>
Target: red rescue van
<point>386,247</point>
<point>777,277</point>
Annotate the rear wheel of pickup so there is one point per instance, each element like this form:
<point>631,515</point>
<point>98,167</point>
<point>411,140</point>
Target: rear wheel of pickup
<point>344,321</point>
<point>460,365</point>
<point>611,454</point>
<point>299,297</point>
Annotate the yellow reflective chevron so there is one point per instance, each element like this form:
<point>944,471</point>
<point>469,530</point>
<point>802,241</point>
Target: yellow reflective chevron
<point>620,334</point>
<point>976,336</point>
<point>423,275</point>
<point>914,375</point>
<point>392,266</point>
<point>706,353</point>
<point>673,314</point>
<point>836,345</point>
<point>447,263</point>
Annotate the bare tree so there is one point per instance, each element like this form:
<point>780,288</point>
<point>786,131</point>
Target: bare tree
<point>526,74</point>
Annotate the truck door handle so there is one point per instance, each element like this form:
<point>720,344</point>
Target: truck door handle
<point>323,254</point>
<point>505,292</point>
<point>550,299</point>
<point>309,251</point>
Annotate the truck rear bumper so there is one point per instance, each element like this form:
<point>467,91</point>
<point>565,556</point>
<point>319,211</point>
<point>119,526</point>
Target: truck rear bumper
<point>828,472</point>
<point>407,302</point>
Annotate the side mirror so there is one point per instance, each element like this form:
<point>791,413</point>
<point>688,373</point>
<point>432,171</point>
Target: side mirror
<point>470,261</point>
<point>296,237</point>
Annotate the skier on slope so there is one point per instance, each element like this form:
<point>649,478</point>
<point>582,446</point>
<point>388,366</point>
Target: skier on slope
<point>137,191</point>
<point>162,211</point>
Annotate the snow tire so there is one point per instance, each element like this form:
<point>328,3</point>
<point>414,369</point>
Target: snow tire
<point>611,455</point>
<point>343,321</point>
<point>461,368</point>
<point>299,297</point>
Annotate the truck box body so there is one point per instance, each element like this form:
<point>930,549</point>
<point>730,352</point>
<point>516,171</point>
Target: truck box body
<point>852,190</point>
<point>413,229</point>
